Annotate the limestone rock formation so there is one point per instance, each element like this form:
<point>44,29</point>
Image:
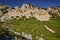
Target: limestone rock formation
<point>28,11</point>
<point>54,11</point>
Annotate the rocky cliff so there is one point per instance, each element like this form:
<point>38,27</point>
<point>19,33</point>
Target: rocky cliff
<point>28,11</point>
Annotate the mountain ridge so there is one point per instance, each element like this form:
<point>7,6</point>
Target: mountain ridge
<point>42,14</point>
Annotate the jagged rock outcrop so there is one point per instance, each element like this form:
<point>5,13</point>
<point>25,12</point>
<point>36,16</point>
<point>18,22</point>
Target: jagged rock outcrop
<point>3,9</point>
<point>54,11</point>
<point>2,6</point>
<point>28,11</point>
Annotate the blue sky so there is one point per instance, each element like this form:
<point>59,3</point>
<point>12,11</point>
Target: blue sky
<point>40,3</point>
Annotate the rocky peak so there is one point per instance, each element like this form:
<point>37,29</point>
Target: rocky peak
<point>25,6</point>
<point>2,6</point>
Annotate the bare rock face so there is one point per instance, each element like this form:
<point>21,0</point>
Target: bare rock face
<point>54,11</point>
<point>28,11</point>
<point>2,6</point>
<point>42,15</point>
<point>38,13</point>
<point>3,9</point>
<point>25,7</point>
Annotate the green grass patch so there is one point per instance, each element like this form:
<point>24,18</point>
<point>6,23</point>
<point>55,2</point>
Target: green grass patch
<point>33,26</point>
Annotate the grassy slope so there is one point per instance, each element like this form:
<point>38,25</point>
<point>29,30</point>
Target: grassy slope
<point>34,27</point>
<point>1,23</point>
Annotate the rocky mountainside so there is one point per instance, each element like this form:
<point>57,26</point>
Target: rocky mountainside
<point>27,10</point>
<point>23,19</point>
<point>3,9</point>
<point>2,6</point>
<point>54,11</point>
